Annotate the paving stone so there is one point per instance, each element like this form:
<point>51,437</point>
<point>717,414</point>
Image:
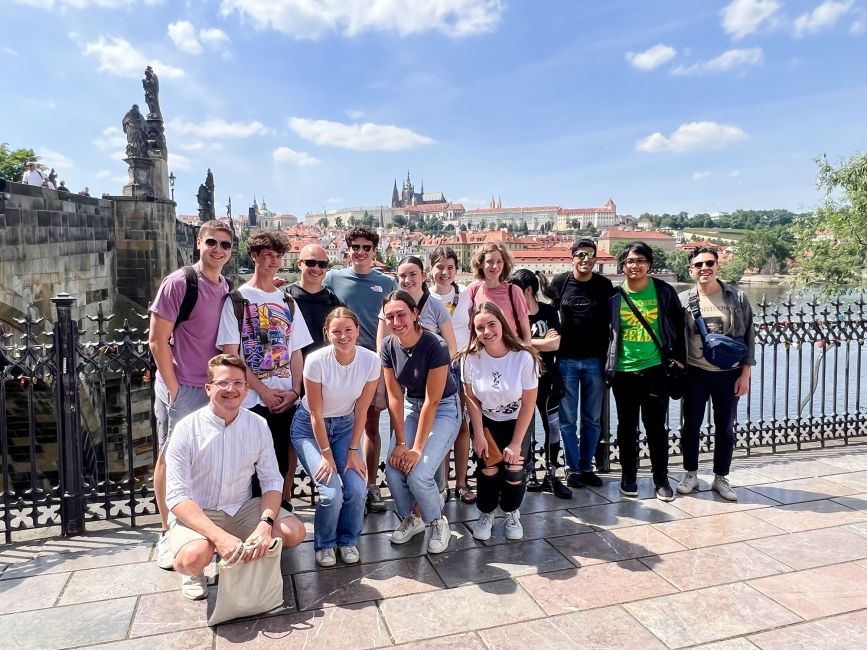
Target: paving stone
<point>546,502</point>
<point>805,489</point>
<point>355,584</point>
<point>856,480</point>
<point>629,513</point>
<point>65,562</point>
<point>835,633</point>
<point>709,614</point>
<point>728,644</point>
<point>855,501</point>
<point>853,462</point>
<point>615,545</point>
<point>65,627</point>
<point>466,641</point>
<point>538,525</point>
<point>186,640</point>
<point>808,515</point>
<point>449,611</point>
<point>30,593</point>
<point>783,469</point>
<point>818,592</point>
<point>717,529</point>
<point>119,581</point>
<point>814,548</point>
<point>701,504</point>
<point>610,489</point>
<point>497,562</point>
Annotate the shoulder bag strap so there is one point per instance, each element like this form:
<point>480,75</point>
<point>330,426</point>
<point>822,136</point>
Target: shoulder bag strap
<point>642,320</point>
<point>695,309</point>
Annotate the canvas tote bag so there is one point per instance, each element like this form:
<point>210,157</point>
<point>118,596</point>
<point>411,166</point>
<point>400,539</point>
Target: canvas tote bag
<point>248,588</point>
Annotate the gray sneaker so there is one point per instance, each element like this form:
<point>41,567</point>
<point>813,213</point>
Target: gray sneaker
<point>721,486</point>
<point>483,526</point>
<point>408,528</point>
<point>194,587</point>
<point>326,557</point>
<point>165,558</point>
<point>513,528</point>
<point>440,534</point>
<point>349,554</point>
<point>688,483</point>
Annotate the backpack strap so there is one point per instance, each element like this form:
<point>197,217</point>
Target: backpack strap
<point>239,307</point>
<point>514,311</point>
<point>290,302</point>
<point>191,295</point>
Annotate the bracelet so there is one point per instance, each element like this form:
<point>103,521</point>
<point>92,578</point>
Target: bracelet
<point>398,444</point>
<point>353,449</point>
<point>324,449</point>
<point>297,394</point>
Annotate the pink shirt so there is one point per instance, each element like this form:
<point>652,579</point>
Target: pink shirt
<point>500,297</point>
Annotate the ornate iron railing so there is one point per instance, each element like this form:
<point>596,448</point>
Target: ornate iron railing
<point>77,438</point>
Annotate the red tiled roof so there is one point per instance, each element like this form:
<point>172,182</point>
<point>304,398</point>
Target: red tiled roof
<point>538,208</point>
<point>634,234</point>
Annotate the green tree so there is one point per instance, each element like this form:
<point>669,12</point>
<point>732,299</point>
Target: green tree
<point>338,222</point>
<point>244,259</point>
<point>678,261</point>
<point>323,222</point>
<point>733,270</point>
<point>390,262</point>
<point>398,220</point>
<point>831,242</point>
<point>12,162</point>
<point>767,249</point>
<point>483,224</point>
<point>660,258</point>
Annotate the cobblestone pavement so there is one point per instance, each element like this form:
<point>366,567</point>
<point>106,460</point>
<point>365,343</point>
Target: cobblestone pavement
<point>785,567</point>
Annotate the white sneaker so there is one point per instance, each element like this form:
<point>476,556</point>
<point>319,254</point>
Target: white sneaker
<point>484,524</point>
<point>194,587</point>
<point>440,535</point>
<point>349,554</point>
<point>514,529</point>
<point>721,486</point>
<point>407,529</point>
<point>688,483</point>
<point>165,558</point>
<point>325,557</point>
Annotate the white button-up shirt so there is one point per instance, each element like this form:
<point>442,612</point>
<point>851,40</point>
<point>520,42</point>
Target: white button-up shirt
<point>212,464</point>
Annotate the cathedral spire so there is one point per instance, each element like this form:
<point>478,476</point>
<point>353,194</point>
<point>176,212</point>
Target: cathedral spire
<point>395,197</point>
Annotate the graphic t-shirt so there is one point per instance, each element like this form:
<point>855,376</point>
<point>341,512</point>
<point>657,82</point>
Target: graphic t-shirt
<point>411,367</point>
<point>543,320</point>
<point>363,294</point>
<point>718,318</point>
<point>499,382</point>
<point>268,336</point>
<point>341,385</point>
<point>584,314</point>
<point>636,350</point>
<point>449,299</point>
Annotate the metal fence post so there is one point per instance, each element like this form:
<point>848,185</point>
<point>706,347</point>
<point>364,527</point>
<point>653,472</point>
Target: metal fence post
<point>68,429</point>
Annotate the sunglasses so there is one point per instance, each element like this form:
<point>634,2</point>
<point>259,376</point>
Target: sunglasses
<point>311,263</point>
<point>225,245</point>
<point>708,263</point>
<point>365,247</point>
<point>584,256</point>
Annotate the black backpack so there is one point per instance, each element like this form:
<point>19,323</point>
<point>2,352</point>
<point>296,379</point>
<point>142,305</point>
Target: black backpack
<point>191,294</point>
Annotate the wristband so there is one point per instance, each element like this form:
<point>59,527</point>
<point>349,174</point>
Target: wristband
<point>268,520</point>
<point>297,394</point>
<point>353,449</point>
<point>400,443</point>
<point>324,449</point>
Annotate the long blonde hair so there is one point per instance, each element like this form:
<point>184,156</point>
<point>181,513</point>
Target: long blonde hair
<point>512,342</point>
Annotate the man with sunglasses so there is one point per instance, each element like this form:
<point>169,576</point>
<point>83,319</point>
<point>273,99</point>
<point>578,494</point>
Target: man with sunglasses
<point>582,298</point>
<point>181,347</point>
<point>725,310</point>
<point>269,339</point>
<point>312,297</point>
<point>362,289</point>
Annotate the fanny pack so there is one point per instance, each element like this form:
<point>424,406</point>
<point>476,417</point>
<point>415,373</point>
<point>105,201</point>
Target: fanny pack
<point>724,352</point>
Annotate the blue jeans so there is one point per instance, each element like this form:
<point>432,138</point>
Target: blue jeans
<point>584,378</point>
<point>420,486</point>
<point>340,510</point>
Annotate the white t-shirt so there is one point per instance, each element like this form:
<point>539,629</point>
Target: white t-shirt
<point>341,385</point>
<point>33,177</point>
<point>460,315</point>
<point>499,382</point>
<point>267,338</point>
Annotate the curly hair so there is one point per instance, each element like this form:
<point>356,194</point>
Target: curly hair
<point>363,232</point>
<point>273,239</point>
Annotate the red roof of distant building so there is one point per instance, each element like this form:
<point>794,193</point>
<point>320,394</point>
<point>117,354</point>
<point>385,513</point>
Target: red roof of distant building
<point>635,234</point>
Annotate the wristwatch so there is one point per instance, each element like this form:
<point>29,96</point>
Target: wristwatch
<point>268,520</point>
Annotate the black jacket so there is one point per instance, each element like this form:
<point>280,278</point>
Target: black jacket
<point>672,326</point>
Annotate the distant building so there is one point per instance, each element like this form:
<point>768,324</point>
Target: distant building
<point>408,197</point>
<point>465,244</point>
<point>599,218</point>
<point>558,260</point>
<point>652,237</point>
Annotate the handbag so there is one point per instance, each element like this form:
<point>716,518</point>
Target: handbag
<point>248,588</point>
<point>724,352</point>
<point>675,373</point>
<point>494,455</point>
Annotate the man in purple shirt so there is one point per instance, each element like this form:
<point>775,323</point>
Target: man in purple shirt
<point>181,350</point>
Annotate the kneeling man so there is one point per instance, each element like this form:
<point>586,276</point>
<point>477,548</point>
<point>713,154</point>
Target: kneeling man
<point>210,460</point>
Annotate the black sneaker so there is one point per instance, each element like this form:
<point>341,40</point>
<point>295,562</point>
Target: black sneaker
<point>590,479</point>
<point>533,484</point>
<point>664,493</point>
<point>573,479</point>
<point>374,501</point>
<point>556,486</point>
<point>628,488</point>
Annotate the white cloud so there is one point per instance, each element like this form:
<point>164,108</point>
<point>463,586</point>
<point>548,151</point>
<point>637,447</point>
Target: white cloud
<point>55,159</point>
<point>315,18</point>
<point>300,158</point>
<point>9,51</point>
<point>651,58</point>
<point>354,114</point>
<point>726,61</point>
<point>824,16</point>
<point>177,162</point>
<point>358,137</point>
<point>697,176</point>
<point>198,145</point>
<point>50,5</point>
<point>217,128</point>
<point>117,56</point>
<point>187,39</point>
<point>692,136</point>
<point>744,17</point>
<point>111,138</point>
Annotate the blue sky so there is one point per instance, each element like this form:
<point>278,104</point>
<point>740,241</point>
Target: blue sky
<point>663,106</point>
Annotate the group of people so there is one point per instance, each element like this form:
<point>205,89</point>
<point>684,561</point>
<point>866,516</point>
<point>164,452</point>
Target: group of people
<point>33,176</point>
<point>315,363</point>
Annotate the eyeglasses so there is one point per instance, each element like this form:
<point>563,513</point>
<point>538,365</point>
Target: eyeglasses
<point>225,245</point>
<point>635,261</point>
<point>583,255</point>
<point>708,263</point>
<point>223,384</point>
<point>311,263</point>
<point>357,247</point>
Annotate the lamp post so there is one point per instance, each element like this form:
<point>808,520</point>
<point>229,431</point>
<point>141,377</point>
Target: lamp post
<point>172,184</point>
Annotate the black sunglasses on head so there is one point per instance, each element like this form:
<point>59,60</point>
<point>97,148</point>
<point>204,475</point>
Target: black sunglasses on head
<point>311,263</point>
<point>225,245</point>
<point>366,247</point>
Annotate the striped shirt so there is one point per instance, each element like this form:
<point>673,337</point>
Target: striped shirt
<point>212,464</point>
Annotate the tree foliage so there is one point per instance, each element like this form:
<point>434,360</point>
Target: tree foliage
<point>831,242</point>
<point>733,270</point>
<point>767,250</point>
<point>12,162</point>
<point>660,257</point>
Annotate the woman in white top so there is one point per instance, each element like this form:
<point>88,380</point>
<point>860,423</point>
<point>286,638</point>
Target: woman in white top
<point>339,382</point>
<point>501,378</point>
<point>443,269</point>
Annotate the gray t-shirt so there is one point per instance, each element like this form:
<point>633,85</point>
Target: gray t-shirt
<point>433,314</point>
<point>363,294</point>
<point>411,367</point>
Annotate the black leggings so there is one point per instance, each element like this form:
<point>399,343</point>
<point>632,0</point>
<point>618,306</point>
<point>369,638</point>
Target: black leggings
<point>501,489</point>
<point>549,411</point>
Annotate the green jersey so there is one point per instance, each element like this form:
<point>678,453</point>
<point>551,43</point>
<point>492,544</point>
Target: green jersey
<point>635,349</point>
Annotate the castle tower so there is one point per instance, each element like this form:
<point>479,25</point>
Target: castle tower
<point>395,197</point>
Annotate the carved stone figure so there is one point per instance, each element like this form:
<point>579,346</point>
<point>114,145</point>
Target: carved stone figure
<point>205,196</point>
<point>151,84</point>
<point>52,178</point>
<point>135,128</point>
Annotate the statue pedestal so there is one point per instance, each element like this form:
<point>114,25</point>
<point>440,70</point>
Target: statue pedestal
<point>141,178</point>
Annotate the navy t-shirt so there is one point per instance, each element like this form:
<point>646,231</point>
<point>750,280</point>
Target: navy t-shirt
<point>411,366</point>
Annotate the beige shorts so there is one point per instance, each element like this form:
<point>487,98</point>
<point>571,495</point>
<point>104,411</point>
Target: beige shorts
<point>241,524</point>
<point>380,397</point>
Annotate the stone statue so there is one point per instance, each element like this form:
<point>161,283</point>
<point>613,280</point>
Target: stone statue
<point>52,178</point>
<point>151,85</point>
<point>229,216</point>
<point>205,196</point>
<point>136,132</point>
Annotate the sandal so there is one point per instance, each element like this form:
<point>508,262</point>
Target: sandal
<point>465,494</point>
